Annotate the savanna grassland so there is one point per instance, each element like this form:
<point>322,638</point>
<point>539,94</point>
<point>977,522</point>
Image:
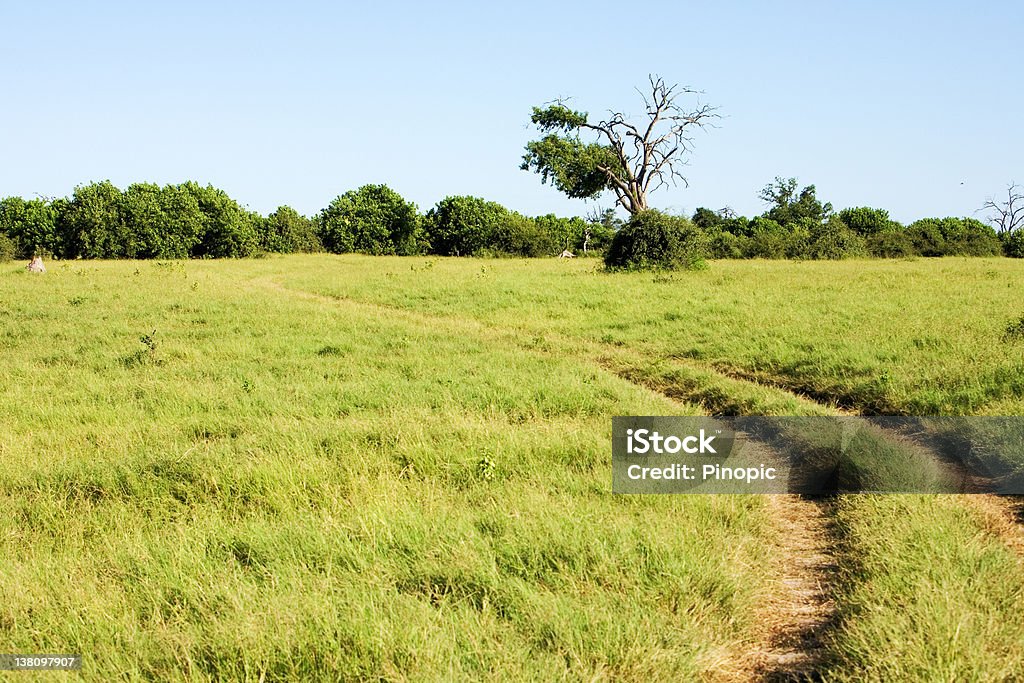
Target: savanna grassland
<point>388,468</point>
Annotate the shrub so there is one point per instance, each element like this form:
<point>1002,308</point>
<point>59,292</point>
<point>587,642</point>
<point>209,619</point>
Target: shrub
<point>285,231</point>
<point>160,222</point>
<point>725,245</point>
<point>834,240</point>
<point>866,221</point>
<point>1013,244</point>
<point>373,219</point>
<point>953,237</point>
<point>31,225</point>
<point>93,223</point>
<point>652,240</point>
<point>462,226</point>
<point>518,235</point>
<point>228,229</point>
<point>767,239</point>
<point>926,236</point>
<point>890,245</point>
<point>7,248</point>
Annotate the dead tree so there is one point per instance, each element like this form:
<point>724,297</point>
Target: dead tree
<point>1007,216</point>
<point>629,157</point>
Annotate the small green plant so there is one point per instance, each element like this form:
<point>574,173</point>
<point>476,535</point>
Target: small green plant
<point>485,468</point>
<point>143,356</point>
<point>1014,331</point>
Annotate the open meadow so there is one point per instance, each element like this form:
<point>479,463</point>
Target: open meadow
<point>398,468</point>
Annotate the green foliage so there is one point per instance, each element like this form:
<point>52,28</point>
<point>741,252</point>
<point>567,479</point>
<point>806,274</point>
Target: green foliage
<point>162,222</point>
<point>866,221</point>
<point>895,244</point>
<point>94,223</point>
<point>31,225</point>
<point>789,206</point>
<point>766,239</point>
<point>462,226</point>
<point>517,235</point>
<point>580,170</point>
<point>1013,244</point>
<point>652,240</point>
<point>953,237</point>
<point>228,229</point>
<point>8,250</point>
<point>835,240</point>
<point>574,167</point>
<point>285,231</point>
<point>372,220</point>
<point>723,244</point>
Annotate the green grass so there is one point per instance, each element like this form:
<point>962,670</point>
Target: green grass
<point>398,468</point>
<point>271,484</point>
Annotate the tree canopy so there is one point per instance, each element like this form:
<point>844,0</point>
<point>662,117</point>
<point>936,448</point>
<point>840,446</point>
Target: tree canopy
<point>629,157</point>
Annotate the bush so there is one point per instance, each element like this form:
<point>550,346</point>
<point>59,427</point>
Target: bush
<point>652,240</point>
<point>834,241</point>
<point>953,237</point>
<point>517,235</point>
<point>31,225</point>
<point>726,245</point>
<point>285,231</point>
<point>890,245</point>
<point>767,239</point>
<point>93,223</point>
<point>228,229</point>
<point>7,248</point>
<point>371,220</point>
<point>1013,244</point>
<point>926,236</point>
<point>866,221</point>
<point>462,226</point>
<point>160,222</point>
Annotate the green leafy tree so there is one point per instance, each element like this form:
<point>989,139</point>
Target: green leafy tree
<point>228,229</point>
<point>953,237</point>
<point>835,240</point>
<point>628,157</point>
<point>286,231</point>
<point>30,226</point>
<point>767,239</point>
<point>94,224</point>
<point>866,221</point>
<point>162,222</point>
<point>372,220</point>
<point>462,226</point>
<point>789,206</point>
<point>517,235</point>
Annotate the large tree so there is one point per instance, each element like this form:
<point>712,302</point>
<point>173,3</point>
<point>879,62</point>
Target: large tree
<point>1008,216</point>
<point>630,157</point>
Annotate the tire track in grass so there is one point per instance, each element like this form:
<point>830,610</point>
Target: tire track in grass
<point>791,622</point>
<point>796,616</point>
<point>795,620</point>
<point>801,612</point>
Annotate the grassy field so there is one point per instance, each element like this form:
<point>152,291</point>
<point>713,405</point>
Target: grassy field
<point>320,467</point>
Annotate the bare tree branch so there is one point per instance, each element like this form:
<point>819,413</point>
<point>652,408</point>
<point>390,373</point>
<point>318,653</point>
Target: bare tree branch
<point>1007,216</point>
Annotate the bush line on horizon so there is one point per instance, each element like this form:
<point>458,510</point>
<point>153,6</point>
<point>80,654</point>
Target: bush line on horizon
<point>188,220</point>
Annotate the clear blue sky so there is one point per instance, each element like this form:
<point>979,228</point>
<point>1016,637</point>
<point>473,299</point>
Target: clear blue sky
<point>911,106</point>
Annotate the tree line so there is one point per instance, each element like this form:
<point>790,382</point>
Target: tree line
<point>189,220</point>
